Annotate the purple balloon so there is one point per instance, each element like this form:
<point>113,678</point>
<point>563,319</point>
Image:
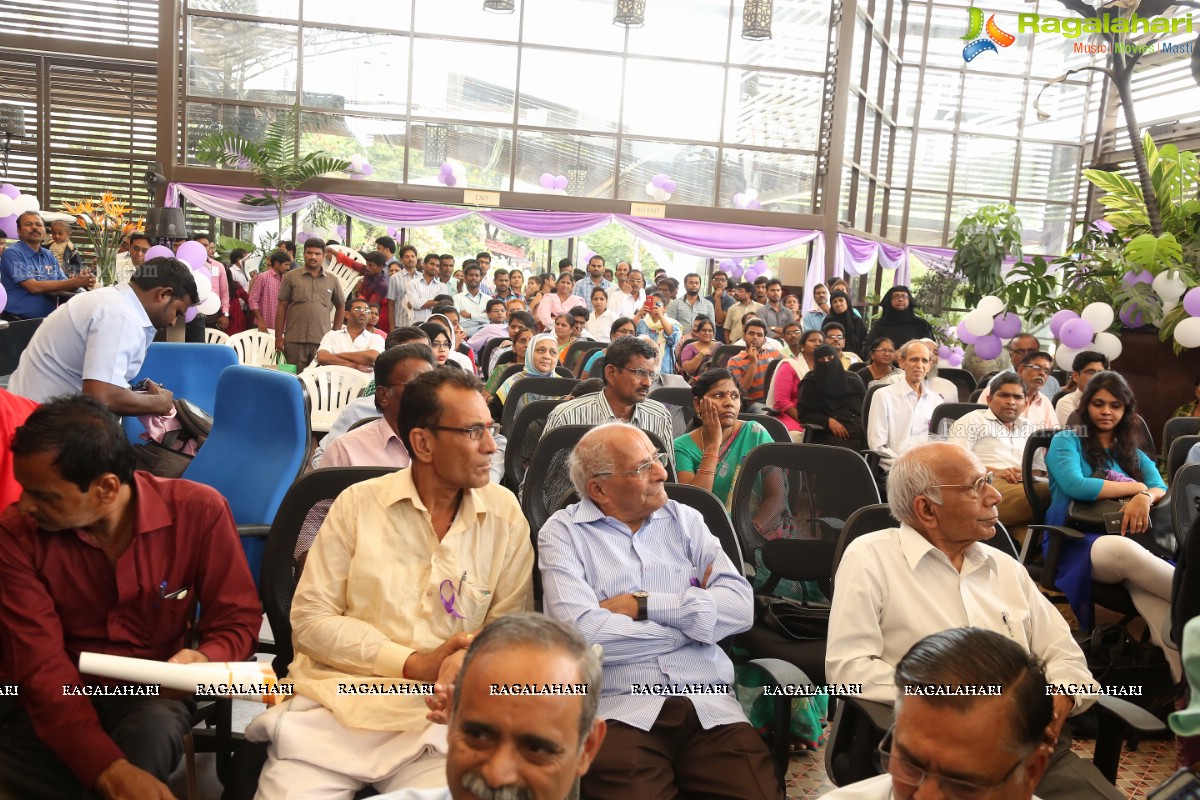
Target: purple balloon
<point>1191,302</point>
<point>193,253</point>
<point>190,314</point>
<point>669,186</point>
<point>366,170</point>
<point>447,168</point>
<point>754,205</point>
<point>725,264</point>
<point>1006,325</point>
<point>159,251</point>
<point>3,298</point>
<point>944,351</point>
<point>450,180</point>
<point>1131,315</point>
<point>8,225</point>
<point>560,182</point>
<point>735,273</point>
<point>988,347</point>
<point>658,180</point>
<point>739,200</point>
<point>955,359</point>
<point>964,335</point>
<point>1132,278</point>
<point>1059,319</point>
<point>546,181</point>
<point>1077,333</point>
<point>8,190</point>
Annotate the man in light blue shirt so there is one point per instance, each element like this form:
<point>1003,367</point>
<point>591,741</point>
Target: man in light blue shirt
<point>643,577</point>
<point>31,275</point>
<point>96,343</point>
<point>595,269</point>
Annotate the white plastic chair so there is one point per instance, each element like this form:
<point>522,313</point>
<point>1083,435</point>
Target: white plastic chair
<point>330,389</point>
<point>215,336</point>
<point>254,348</point>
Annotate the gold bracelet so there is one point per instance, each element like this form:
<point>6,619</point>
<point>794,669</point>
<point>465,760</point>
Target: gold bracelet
<point>706,472</point>
<point>708,455</point>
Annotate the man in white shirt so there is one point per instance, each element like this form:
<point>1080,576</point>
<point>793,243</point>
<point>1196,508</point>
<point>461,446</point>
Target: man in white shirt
<point>900,412</point>
<point>398,286</point>
<point>472,302</point>
<point>1034,371</point>
<point>945,388</point>
<point>353,346</point>
<point>981,746</point>
<point>933,573</point>
<point>1086,364</point>
<point>997,436</point>
<point>420,292</point>
<point>407,569</point>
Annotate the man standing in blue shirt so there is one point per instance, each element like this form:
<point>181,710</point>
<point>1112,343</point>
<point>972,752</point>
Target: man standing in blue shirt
<point>642,576</point>
<point>31,275</point>
<point>595,268</point>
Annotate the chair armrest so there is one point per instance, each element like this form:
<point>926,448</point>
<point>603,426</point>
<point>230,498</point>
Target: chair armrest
<point>253,531</point>
<point>1129,714</point>
<point>781,673</point>
<point>1057,534</point>
<point>1114,718</point>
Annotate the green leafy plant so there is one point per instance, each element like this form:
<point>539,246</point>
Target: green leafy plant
<point>982,241</point>
<point>275,160</point>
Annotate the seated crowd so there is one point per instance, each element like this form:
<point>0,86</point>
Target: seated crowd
<point>419,590</point>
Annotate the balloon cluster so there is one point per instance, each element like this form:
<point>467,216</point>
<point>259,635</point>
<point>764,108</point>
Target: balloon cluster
<point>359,168</point>
<point>988,327</point>
<point>12,205</point>
<point>953,356</point>
<point>195,256</point>
<point>1187,332</point>
<point>553,184</point>
<point>452,173</point>
<point>1130,315</point>
<point>661,188</point>
<point>736,271</point>
<point>1086,331</point>
<point>747,199</point>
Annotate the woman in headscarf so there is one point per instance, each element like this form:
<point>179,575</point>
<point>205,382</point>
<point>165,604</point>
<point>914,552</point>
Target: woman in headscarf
<point>442,322</point>
<point>898,319</point>
<point>784,391</point>
<point>519,347</point>
<point>541,357</point>
<point>841,313</point>
<point>832,399</point>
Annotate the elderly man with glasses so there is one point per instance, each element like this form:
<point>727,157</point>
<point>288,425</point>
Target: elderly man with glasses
<point>1021,347</point>
<point>407,569</point>
<point>643,577</point>
<point>1035,373</point>
<point>934,573</point>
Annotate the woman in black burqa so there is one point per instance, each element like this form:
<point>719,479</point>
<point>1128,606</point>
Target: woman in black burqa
<point>898,319</point>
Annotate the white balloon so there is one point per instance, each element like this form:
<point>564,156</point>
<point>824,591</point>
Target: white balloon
<point>1169,306</point>
<point>990,305</point>
<point>751,194</point>
<point>661,195</point>
<point>211,305</point>
<point>1169,285</point>
<point>1107,343</point>
<point>651,188</point>
<point>356,160</point>
<point>1065,356</point>
<point>24,202</point>
<point>1187,332</point>
<point>460,172</point>
<point>979,322</point>
<point>6,206</point>
<point>1099,315</point>
<point>203,286</point>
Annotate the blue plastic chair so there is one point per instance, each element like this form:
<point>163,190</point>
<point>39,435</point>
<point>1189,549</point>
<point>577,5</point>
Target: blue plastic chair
<point>257,448</point>
<point>189,370</point>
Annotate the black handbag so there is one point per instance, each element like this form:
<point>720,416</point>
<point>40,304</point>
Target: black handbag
<point>801,620</point>
<point>1104,516</point>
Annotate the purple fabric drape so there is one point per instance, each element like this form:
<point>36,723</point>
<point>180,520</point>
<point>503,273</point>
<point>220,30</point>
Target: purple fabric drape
<point>226,201</point>
<point>546,224</point>
<point>716,239</point>
<point>400,213</point>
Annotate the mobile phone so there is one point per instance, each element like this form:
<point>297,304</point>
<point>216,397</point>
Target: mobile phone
<point>143,385</point>
<point>1183,785</point>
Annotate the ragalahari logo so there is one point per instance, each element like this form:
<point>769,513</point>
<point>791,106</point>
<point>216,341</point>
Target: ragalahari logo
<point>981,38</point>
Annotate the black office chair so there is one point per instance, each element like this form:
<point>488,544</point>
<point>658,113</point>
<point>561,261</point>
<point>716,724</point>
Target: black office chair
<point>1146,442</point>
<point>725,352</point>
<point>1177,454</point>
<point>978,393</point>
<point>539,387</point>
<point>1176,427</point>
<point>962,380</point>
<point>779,432</point>
<point>946,413</point>
<point>578,353</point>
<point>678,400</point>
<point>489,349</point>
<point>523,440</point>
<point>1185,494</point>
<point>986,379</point>
<point>1059,396</point>
<point>361,422</point>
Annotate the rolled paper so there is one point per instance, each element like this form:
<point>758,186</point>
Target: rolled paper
<point>249,680</point>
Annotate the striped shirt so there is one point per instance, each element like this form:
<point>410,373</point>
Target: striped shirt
<point>264,295</point>
<point>593,409</point>
<point>586,557</point>
<point>738,365</point>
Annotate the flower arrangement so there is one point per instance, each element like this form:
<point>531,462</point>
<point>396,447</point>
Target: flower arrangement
<point>106,221</point>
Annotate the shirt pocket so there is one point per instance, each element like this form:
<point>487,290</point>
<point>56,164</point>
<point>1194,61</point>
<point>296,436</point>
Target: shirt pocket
<point>473,603</point>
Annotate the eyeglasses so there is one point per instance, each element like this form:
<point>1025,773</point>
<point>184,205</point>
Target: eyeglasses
<point>648,374</point>
<point>910,774</point>
<point>975,486</point>
<point>439,345</point>
<point>833,337</point>
<point>133,248</point>
<point>1036,368</point>
<point>641,472</point>
<point>474,433</point>
<point>885,350</point>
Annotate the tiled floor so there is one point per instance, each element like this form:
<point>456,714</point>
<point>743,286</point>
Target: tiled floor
<point>1140,771</point>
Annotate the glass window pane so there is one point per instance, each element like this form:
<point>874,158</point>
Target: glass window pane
<point>466,18</point>
<point>692,167</point>
<point>587,162</point>
<point>784,182</point>
<point>792,21</point>
<point>367,13</point>
<point>914,32</point>
<point>589,21</point>
<point>931,161</point>
<point>896,215</point>
<point>202,118</point>
<point>577,91</point>
<point>380,140</point>
<point>483,151</point>
<point>876,64</point>
<point>946,26</point>
<point>859,54</point>
<point>654,106</point>
<point>906,106</point>
<point>773,109</point>
<point>275,9</point>
<point>356,71</point>
<point>984,166</point>
<point>900,160</point>
<point>851,127</point>
<point>926,219</point>
<point>939,99</point>
<point>845,208</point>
<point>866,158</point>
<point>699,33</point>
<point>1062,103</point>
<point>1047,171</point>
<point>239,60</point>
<point>991,104</point>
<point>464,80</point>
<point>1044,228</point>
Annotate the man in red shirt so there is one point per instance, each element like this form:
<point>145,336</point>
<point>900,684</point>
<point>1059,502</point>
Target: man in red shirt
<point>96,557</point>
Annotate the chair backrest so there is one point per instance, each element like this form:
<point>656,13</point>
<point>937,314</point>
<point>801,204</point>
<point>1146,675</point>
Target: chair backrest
<point>962,380</point>
<point>364,421</point>
<point>1147,438</point>
<point>769,377</point>
<point>1037,441</point>
<point>523,440</point>
<point>1176,427</point>
<point>1185,491</point>
<point>563,372</point>
<point>860,367</point>
<point>215,336</point>
<point>189,370</point>
<point>576,353</point>
<point>292,534</point>
<point>978,393</point>
<point>254,348</point>
<point>541,388</point>
<point>867,397</point>
<point>725,352</point>
<point>1178,454</point>
<point>946,413</point>
<point>678,400</point>
<point>347,277</point>
<point>986,379</point>
<point>777,429</point>
<point>13,341</point>
<point>1059,395</point>
<point>715,517</point>
<point>330,389</point>
<point>507,370</point>
<point>485,355</point>
<point>790,506</point>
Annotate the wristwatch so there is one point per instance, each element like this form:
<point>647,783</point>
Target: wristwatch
<point>641,598</point>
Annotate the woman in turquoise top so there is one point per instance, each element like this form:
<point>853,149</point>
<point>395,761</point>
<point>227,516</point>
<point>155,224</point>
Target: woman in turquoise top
<point>1097,458</point>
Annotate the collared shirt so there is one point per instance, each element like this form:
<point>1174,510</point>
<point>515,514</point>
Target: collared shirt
<point>1037,408</point>
<point>374,444</point>
<point>685,313</point>
<point>600,327</point>
<point>493,330</point>
<point>220,283</point>
<point>584,288</point>
<point>21,262</point>
<point>625,305</point>
<point>337,342</point>
<point>357,409</point>
<point>418,292</point>
<point>593,409</point>
<point>898,419</point>
<point>99,336</point>
<point>776,319</point>
<point>397,288</point>
<point>945,388</point>
<point>312,300</point>
<point>551,307</point>
<point>476,306</point>
<point>997,445</point>
<point>894,588</point>
<point>733,319</point>
<point>264,295</point>
<point>1066,407</point>
<point>372,592</point>
<point>738,365</point>
<point>62,597</point>
<point>877,788</point>
<point>812,321</point>
<point>586,557</point>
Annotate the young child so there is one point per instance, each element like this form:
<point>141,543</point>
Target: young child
<point>63,248</point>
